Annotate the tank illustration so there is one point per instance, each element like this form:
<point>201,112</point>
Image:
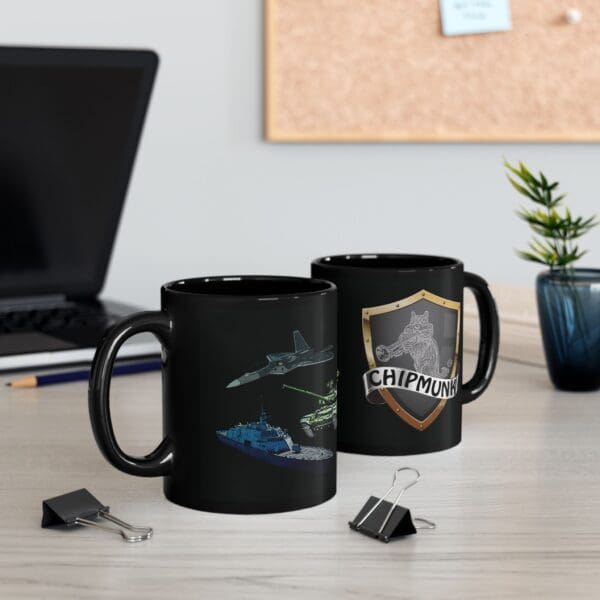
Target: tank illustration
<point>272,444</point>
<point>325,415</point>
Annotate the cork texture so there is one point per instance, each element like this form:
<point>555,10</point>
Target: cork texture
<point>381,70</point>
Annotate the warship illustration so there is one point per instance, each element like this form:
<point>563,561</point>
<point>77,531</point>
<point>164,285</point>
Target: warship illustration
<point>280,363</point>
<point>272,444</point>
<point>325,415</point>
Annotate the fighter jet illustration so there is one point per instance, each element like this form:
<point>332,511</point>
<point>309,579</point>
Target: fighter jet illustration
<point>281,363</point>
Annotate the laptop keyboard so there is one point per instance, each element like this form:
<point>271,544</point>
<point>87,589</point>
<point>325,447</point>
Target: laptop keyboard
<point>53,319</point>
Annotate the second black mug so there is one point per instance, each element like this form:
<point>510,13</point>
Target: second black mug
<point>400,336</point>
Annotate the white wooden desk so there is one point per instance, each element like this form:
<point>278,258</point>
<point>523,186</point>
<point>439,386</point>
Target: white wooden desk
<point>517,506</point>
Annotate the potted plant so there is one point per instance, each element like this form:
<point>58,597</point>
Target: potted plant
<point>568,298</point>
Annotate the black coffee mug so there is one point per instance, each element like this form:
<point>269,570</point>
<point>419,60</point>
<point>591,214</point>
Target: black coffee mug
<point>400,323</point>
<point>249,393</point>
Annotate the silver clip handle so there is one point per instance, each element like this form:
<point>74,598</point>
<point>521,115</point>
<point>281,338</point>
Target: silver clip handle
<point>426,523</point>
<point>139,534</point>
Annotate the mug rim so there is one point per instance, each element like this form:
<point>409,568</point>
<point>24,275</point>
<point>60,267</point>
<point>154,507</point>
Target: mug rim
<point>368,261</point>
<point>321,286</point>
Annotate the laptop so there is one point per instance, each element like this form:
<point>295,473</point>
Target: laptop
<point>70,123</point>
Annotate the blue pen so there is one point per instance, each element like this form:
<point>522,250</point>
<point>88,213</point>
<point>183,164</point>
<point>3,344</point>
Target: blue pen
<point>83,374</point>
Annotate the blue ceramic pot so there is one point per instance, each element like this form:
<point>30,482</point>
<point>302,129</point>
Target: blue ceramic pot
<point>569,310</point>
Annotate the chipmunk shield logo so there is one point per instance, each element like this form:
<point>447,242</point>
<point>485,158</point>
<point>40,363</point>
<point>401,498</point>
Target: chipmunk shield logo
<point>412,351</point>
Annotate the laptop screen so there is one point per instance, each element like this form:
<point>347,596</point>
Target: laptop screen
<point>69,125</point>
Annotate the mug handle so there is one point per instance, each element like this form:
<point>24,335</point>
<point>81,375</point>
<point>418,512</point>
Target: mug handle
<point>488,341</point>
<point>159,461</point>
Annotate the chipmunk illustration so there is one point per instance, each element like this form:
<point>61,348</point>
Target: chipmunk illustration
<point>417,340</point>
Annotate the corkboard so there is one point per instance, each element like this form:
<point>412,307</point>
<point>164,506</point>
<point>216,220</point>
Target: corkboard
<point>381,70</point>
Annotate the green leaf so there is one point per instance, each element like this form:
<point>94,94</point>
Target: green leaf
<point>589,222</point>
<point>531,257</point>
<point>527,175</point>
<point>523,191</point>
<point>523,174</point>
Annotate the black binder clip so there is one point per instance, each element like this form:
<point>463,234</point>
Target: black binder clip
<point>383,520</point>
<point>81,508</point>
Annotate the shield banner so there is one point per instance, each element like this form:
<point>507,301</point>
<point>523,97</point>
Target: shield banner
<point>412,350</point>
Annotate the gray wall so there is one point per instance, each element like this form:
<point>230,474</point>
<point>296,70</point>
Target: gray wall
<point>209,196</point>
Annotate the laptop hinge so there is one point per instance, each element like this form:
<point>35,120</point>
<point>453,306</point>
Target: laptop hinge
<point>33,302</point>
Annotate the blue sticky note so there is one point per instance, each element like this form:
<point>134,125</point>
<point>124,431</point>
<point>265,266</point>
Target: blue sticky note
<point>461,17</point>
